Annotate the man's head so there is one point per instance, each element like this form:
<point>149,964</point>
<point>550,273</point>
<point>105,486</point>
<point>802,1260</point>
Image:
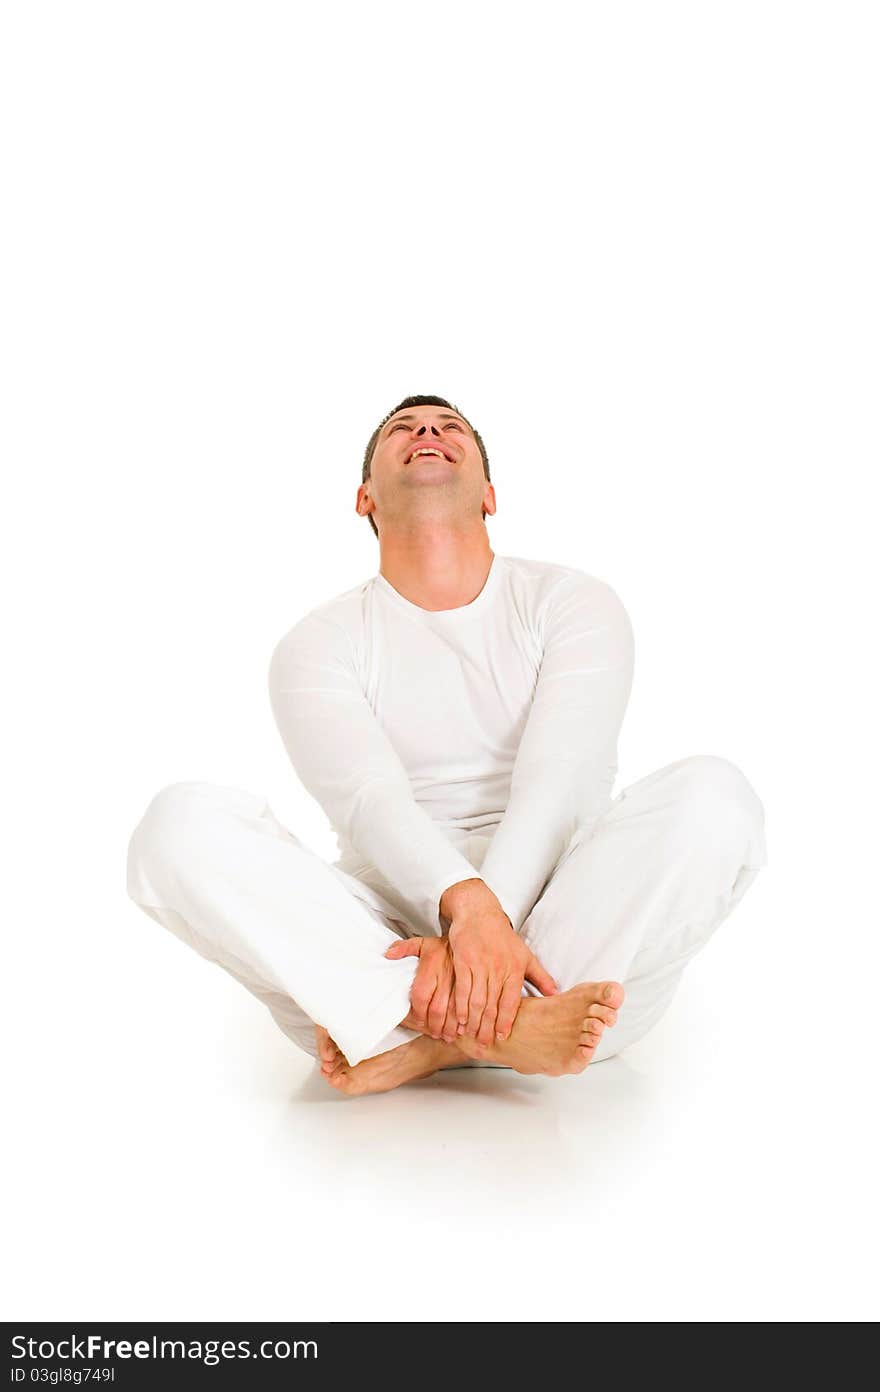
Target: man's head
<point>399,484</point>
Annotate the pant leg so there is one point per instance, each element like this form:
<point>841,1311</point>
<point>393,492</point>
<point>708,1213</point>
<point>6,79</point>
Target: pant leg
<point>638,895</point>
<point>215,867</point>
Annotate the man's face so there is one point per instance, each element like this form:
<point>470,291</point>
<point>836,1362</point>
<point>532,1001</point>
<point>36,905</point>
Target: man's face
<point>426,466</point>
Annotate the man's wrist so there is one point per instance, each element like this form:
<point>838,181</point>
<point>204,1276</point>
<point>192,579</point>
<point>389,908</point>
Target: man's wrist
<point>469,896</point>
<point>463,894</point>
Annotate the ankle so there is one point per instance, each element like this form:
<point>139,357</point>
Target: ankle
<point>446,1053</point>
<point>461,1049</point>
<point>493,1053</point>
<point>409,1023</point>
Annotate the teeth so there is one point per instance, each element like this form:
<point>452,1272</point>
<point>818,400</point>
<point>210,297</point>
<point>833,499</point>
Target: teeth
<point>439,453</point>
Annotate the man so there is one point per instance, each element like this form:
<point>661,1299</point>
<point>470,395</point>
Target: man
<point>457,717</point>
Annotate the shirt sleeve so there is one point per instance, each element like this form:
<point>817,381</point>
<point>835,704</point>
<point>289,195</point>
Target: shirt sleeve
<point>566,762</point>
<point>345,760</point>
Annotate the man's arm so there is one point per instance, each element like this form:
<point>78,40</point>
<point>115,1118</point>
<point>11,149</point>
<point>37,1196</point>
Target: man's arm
<point>346,761</point>
<point>566,762</point>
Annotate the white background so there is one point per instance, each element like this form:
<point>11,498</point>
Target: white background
<point>637,245</point>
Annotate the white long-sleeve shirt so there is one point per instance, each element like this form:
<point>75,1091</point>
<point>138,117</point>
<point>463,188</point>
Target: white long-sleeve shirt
<point>424,734</point>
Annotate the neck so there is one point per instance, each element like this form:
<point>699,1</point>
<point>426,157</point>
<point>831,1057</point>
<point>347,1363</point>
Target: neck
<point>436,567</point>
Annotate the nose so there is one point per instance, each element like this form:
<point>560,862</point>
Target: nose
<point>423,427</point>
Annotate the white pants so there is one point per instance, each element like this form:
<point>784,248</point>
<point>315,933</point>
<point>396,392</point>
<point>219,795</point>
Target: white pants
<point>631,900</point>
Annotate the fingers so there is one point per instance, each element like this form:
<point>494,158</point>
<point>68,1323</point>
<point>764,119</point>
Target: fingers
<point>437,1010</point>
<point>539,977</point>
<point>508,1005</point>
<point>420,997</point>
<point>463,980</point>
<point>425,981</point>
<point>477,1004</point>
<point>486,1032</point>
<point>450,1024</point>
<point>407,947</point>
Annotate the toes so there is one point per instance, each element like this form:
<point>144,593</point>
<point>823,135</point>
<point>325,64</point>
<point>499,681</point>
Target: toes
<point>328,1049</point>
<point>611,993</point>
<point>583,1054</point>
<point>347,1082</point>
<point>591,1031</point>
<point>334,1068</point>
<point>334,1061</point>
<point>603,1013</point>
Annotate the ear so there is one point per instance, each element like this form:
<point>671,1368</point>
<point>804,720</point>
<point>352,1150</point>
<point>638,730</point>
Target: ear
<point>489,499</point>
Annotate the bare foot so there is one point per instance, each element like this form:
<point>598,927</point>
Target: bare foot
<point>554,1034</point>
<point>418,1059</point>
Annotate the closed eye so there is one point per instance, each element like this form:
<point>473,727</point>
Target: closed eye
<point>453,425</point>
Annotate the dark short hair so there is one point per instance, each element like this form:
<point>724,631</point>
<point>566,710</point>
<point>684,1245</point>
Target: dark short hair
<point>418,401</point>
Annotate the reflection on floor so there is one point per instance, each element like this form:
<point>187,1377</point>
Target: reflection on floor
<point>191,1163</point>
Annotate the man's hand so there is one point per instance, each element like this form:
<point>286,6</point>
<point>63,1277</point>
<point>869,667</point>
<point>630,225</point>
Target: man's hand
<point>489,960</point>
<point>432,1004</point>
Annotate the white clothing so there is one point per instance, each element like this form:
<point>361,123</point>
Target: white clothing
<point>479,740</point>
<point>413,729</point>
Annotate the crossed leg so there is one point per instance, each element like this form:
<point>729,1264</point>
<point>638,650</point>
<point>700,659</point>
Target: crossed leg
<point>551,1035</point>
<point>215,867</point>
<point>632,900</point>
<point>637,897</point>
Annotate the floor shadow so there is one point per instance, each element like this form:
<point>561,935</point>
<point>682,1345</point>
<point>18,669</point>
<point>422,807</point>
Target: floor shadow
<point>490,1138</point>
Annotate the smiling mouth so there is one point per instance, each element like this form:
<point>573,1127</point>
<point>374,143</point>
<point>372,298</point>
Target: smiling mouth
<point>427,454</point>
